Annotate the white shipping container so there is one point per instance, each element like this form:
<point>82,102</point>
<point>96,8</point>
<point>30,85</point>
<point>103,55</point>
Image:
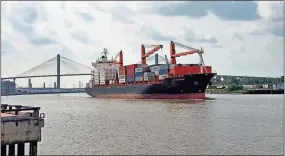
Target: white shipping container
<point>122,80</point>
<point>96,83</point>
<point>137,70</point>
<point>154,68</point>
<point>145,78</point>
<point>156,72</point>
<point>161,77</point>
<point>265,86</point>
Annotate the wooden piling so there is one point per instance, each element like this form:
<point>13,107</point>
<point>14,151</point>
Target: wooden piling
<point>21,149</point>
<point>3,150</point>
<point>13,119</point>
<point>33,148</point>
<point>11,150</point>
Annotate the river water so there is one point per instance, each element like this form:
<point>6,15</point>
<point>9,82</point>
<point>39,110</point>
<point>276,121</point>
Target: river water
<point>227,124</point>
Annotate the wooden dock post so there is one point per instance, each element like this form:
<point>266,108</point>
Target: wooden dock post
<point>3,150</point>
<point>33,148</point>
<point>21,149</point>
<point>19,128</point>
<point>11,150</point>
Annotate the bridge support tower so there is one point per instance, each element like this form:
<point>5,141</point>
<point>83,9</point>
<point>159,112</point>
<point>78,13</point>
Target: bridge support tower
<point>58,70</point>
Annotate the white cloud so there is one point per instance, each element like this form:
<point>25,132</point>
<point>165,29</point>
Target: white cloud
<point>270,10</point>
<point>124,26</point>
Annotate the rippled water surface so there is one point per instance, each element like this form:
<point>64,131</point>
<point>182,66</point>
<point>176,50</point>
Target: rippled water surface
<point>228,124</point>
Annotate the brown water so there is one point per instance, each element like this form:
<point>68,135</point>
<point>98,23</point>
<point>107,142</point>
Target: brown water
<point>229,124</point>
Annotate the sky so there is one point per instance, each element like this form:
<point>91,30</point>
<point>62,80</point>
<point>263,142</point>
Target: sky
<point>239,38</point>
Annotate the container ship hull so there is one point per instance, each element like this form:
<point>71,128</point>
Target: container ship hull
<point>191,86</point>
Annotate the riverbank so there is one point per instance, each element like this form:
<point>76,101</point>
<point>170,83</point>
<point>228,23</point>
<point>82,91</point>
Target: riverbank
<point>243,91</point>
<point>225,91</point>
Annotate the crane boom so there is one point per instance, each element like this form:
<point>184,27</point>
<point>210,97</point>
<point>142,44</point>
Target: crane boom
<point>184,46</point>
<point>185,53</point>
<point>153,51</point>
<point>120,55</point>
<point>173,54</point>
<point>144,55</point>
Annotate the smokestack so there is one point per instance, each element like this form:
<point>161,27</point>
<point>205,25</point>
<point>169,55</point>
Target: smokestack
<point>156,59</point>
<point>54,84</point>
<point>44,85</point>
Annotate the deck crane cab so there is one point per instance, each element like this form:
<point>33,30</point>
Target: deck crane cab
<point>144,55</point>
<point>190,51</point>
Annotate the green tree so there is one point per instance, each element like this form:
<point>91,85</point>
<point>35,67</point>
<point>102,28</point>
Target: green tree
<point>235,85</point>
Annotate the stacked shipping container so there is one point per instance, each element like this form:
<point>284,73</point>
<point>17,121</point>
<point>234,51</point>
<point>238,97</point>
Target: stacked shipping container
<point>96,76</point>
<point>131,71</point>
<point>122,74</point>
<point>139,73</point>
<point>149,76</point>
<point>102,77</point>
<point>160,70</point>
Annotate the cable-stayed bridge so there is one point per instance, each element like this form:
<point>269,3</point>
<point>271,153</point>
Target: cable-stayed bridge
<point>57,66</point>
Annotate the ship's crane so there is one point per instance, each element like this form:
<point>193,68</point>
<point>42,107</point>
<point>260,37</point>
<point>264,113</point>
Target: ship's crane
<point>120,55</point>
<point>190,51</point>
<point>144,55</point>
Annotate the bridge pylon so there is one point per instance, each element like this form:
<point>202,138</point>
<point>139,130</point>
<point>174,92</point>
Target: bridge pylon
<point>58,71</point>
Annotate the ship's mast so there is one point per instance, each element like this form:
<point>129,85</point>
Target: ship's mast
<point>105,52</point>
<point>200,52</point>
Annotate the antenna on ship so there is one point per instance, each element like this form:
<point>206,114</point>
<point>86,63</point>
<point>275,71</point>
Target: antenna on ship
<point>105,52</point>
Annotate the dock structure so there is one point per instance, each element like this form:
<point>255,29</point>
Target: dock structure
<point>20,125</point>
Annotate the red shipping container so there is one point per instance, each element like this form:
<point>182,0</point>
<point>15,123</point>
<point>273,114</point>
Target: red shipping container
<point>131,72</point>
<point>183,70</point>
<point>122,70</point>
<point>131,66</point>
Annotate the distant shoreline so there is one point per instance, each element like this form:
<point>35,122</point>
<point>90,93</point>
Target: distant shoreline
<point>258,91</point>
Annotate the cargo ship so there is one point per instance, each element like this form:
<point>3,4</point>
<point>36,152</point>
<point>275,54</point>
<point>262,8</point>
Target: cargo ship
<point>111,79</point>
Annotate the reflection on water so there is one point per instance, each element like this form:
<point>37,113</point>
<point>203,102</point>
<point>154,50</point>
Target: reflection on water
<point>226,124</point>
